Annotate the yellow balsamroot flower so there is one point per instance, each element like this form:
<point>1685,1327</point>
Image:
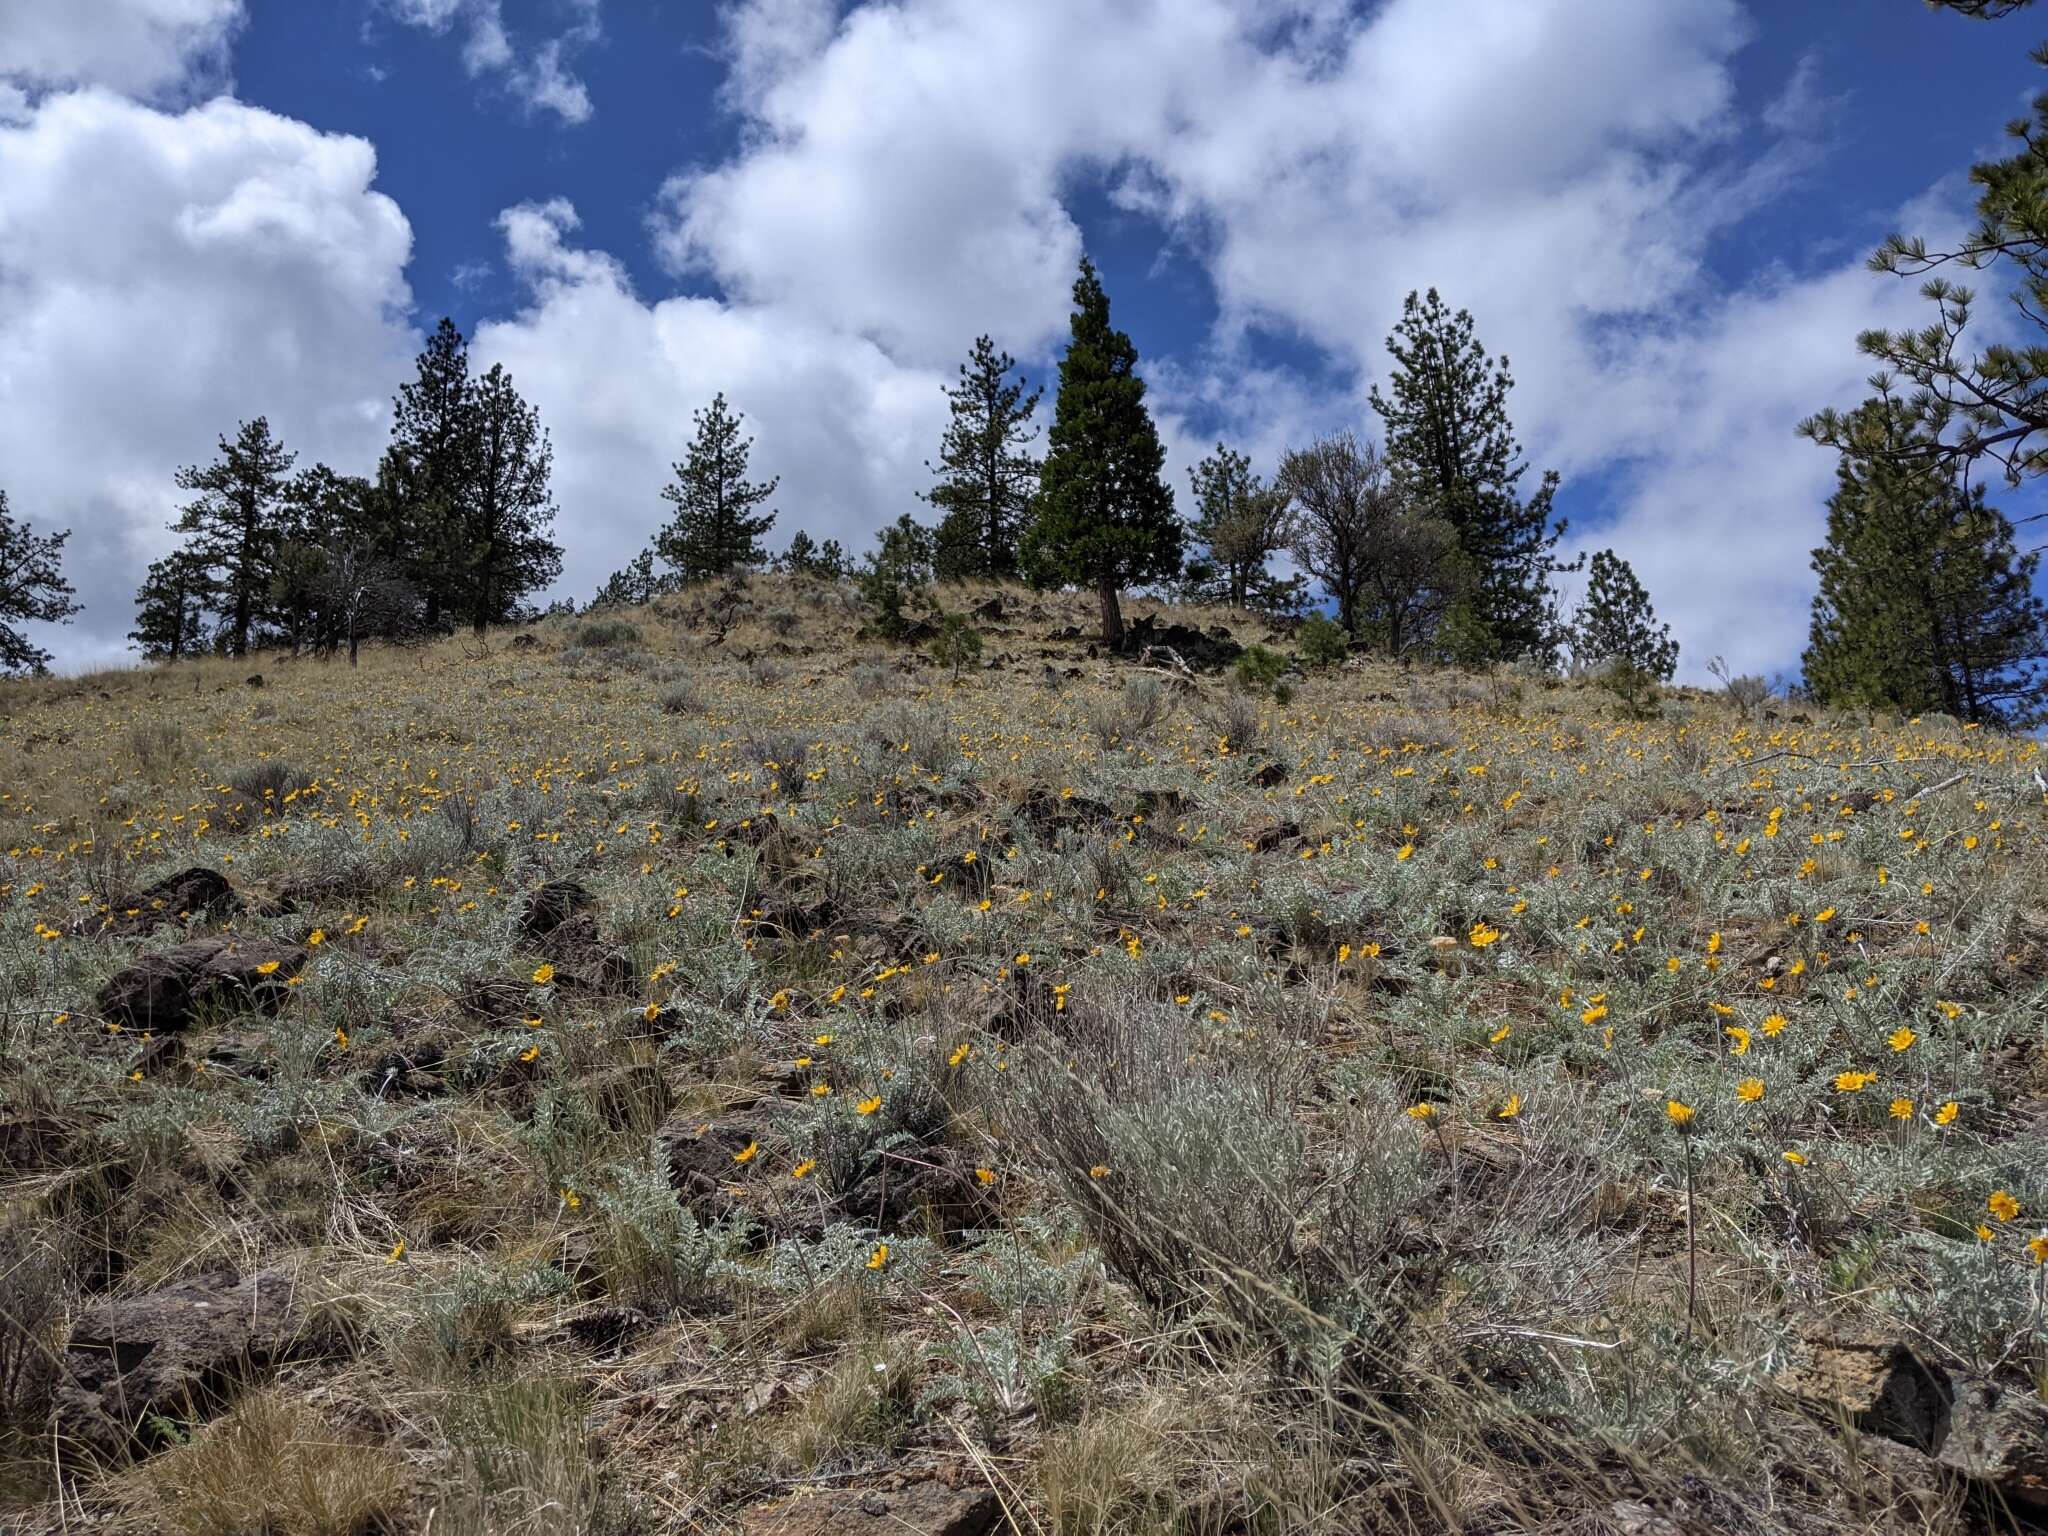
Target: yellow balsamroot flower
<point>1678,1114</point>
<point>1901,1039</point>
<point>1482,935</point>
<point>804,1169</point>
<point>2037,1248</point>
<point>820,1090</point>
<point>651,1012</point>
<point>316,938</point>
<point>397,1252</point>
<point>1796,1159</point>
<point>1774,1024</point>
<point>1405,851</point>
<point>2002,1205</point>
<point>340,1038</point>
<point>267,967</point>
<point>572,1200</point>
<point>1510,1109</point>
<point>531,1053</point>
<point>987,1176</point>
<point>822,1040</point>
<point>1593,1015</point>
<point>747,1153</point>
<point>1901,1109</point>
<point>1853,1082</point>
<point>1740,1038</point>
<point>1750,1089</point>
<point>1500,1034</point>
<point>1985,1234</point>
<point>1421,1111</point>
<point>879,1257</point>
<point>1946,1115</point>
<point>869,1106</point>
<point>543,974</point>
<point>960,1054</point>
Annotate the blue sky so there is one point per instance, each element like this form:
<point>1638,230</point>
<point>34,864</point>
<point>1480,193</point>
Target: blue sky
<point>1659,211</point>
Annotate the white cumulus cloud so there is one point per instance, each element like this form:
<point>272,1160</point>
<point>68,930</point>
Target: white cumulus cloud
<point>164,276</point>
<point>139,47</point>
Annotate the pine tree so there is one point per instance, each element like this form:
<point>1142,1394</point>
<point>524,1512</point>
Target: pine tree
<point>236,523</point>
<point>506,508</point>
<point>1617,632</point>
<point>1993,404</point>
<point>32,587</point>
<point>801,558</point>
<point>1240,520</point>
<point>1454,455</point>
<point>1924,602</point>
<point>986,475</point>
<point>1104,517</point>
<point>430,468</point>
<point>171,608</point>
<point>715,526</point>
<point>637,582</point>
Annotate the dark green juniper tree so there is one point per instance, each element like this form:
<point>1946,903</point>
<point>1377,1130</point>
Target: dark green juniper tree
<point>1924,602</point>
<point>987,475</point>
<point>715,526</point>
<point>1617,631</point>
<point>32,586</point>
<point>1454,457</point>
<point>1104,516</point>
<point>236,523</point>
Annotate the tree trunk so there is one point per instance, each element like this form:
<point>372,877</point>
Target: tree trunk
<point>1112,613</point>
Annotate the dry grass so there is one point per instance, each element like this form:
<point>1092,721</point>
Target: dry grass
<point>1216,1113</point>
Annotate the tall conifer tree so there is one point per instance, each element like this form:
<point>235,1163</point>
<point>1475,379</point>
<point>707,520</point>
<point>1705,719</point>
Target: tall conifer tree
<point>507,507</point>
<point>235,524</point>
<point>32,586</point>
<point>1241,521</point>
<point>1924,602</point>
<point>1453,454</point>
<point>430,468</point>
<point>986,473</point>
<point>715,526</point>
<point>1104,517</point>
<point>170,609</point>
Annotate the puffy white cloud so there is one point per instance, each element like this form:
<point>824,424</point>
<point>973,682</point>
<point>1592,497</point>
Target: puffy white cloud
<point>162,277</point>
<point>138,47</point>
<point>904,179</point>
<point>615,379</point>
<point>1557,166</point>
<point>541,79</point>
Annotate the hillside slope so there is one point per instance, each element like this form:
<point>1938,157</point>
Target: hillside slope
<point>604,1079</point>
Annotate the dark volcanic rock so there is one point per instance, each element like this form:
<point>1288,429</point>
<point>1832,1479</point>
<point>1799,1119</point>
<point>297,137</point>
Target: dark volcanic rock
<point>162,992</point>
<point>921,1509</point>
<point>190,893</point>
<point>175,1353</point>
